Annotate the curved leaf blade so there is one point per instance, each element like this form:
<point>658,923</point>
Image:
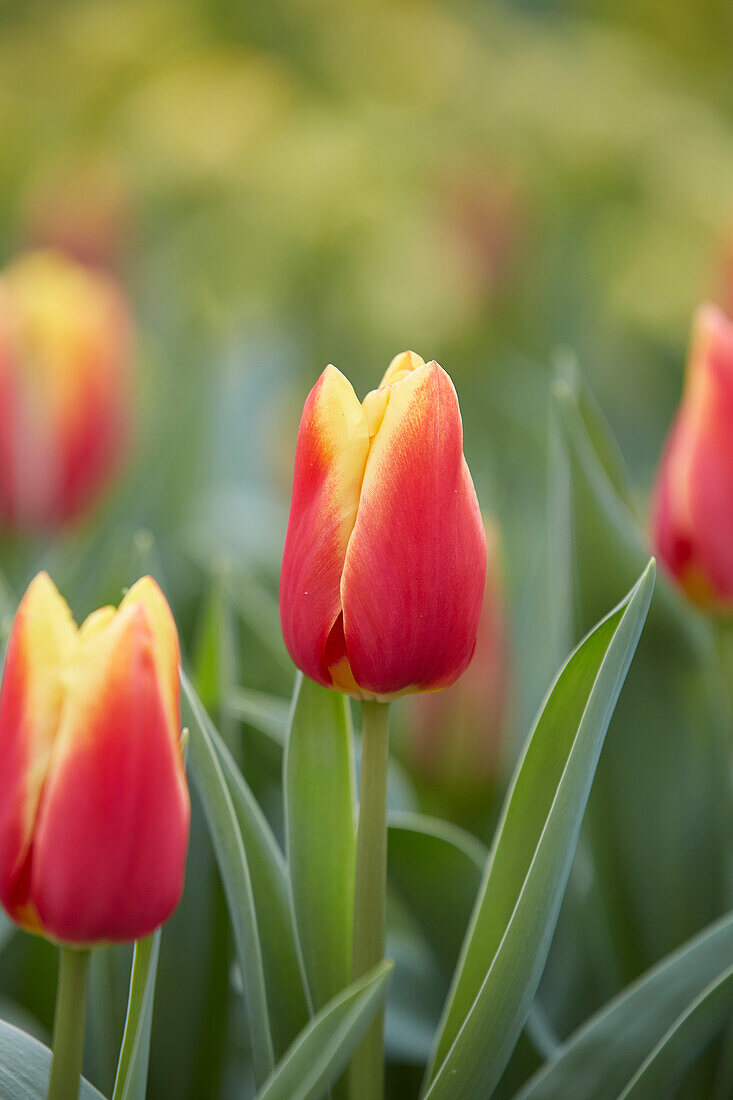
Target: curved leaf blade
<point>321,835</point>
<point>132,1067</point>
<point>683,1042</point>
<point>321,1053</point>
<point>25,1066</point>
<point>286,999</point>
<point>231,857</point>
<point>603,1055</point>
<point>506,945</point>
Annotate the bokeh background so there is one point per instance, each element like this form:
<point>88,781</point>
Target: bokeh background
<point>514,189</point>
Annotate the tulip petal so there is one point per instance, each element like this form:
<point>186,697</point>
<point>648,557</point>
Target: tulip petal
<point>111,835</point>
<point>693,510</point>
<point>333,445</point>
<point>41,640</point>
<point>147,594</point>
<point>415,565</point>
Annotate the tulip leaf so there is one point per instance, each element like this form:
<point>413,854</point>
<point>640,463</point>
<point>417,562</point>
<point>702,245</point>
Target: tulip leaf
<point>226,837</point>
<point>132,1068</point>
<point>25,1066</point>
<point>513,921</point>
<point>686,1038</point>
<point>320,834</point>
<point>606,1053</point>
<point>322,1051</point>
<point>285,993</point>
<point>435,868</point>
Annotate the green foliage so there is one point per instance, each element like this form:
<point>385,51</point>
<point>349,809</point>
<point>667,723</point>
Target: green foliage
<point>25,1065</point>
<point>517,906</point>
<point>615,1046</point>
<point>321,838</point>
<point>231,855</point>
<point>132,1069</point>
<point>321,1052</point>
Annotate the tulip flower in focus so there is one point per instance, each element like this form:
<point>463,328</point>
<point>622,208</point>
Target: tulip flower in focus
<point>693,498</point>
<point>65,337</point>
<point>94,807</point>
<point>454,737</point>
<point>385,554</point>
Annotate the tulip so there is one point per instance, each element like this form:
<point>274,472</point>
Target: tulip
<point>83,208</point>
<point>64,380</point>
<point>380,590</point>
<point>692,516</point>
<point>454,737</point>
<point>94,807</point>
<point>385,555</point>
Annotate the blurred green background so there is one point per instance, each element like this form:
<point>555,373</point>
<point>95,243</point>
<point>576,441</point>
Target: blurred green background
<point>503,187</point>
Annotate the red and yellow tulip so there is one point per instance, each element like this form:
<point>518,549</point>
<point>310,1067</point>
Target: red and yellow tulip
<point>64,381</point>
<point>693,499</point>
<point>385,555</point>
<point>94,807</point>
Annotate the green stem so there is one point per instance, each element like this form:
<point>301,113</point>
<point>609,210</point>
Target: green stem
<point>366,1074</point>
<point>68,1024</point>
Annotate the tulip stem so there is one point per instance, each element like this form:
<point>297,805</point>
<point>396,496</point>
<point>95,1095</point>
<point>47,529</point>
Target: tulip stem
<point>366,1075</point>
<point>68,1024</point>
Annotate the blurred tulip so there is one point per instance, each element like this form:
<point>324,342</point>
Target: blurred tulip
<point>385,555</point>
<point>82,208</point>
<point>487,224</point>
<point>64,388</point>
<point>94,807</point>
<point>454,737</point>
<point>693,498</point>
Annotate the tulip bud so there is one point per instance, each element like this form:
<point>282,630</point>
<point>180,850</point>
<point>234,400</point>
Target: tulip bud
<point>454,737</point>
<point>64,374</point>
<point>385,555</point>
<point>693,498</point>
<point>94,807</point>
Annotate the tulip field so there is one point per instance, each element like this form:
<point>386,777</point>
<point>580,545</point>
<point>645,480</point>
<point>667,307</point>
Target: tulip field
<point>366,550</point>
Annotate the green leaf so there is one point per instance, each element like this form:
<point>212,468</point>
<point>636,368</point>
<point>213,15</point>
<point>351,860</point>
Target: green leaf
<point>435,869</point>
<point>683,1042</point>
<point>320,834</point>
<point>132,1068</point>
<point>321,1053</point>
<point>511,929</point>
<point>25,1066</point>
<point>226,837</point>
<point>603,1055</point>
<point>285,993</point>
